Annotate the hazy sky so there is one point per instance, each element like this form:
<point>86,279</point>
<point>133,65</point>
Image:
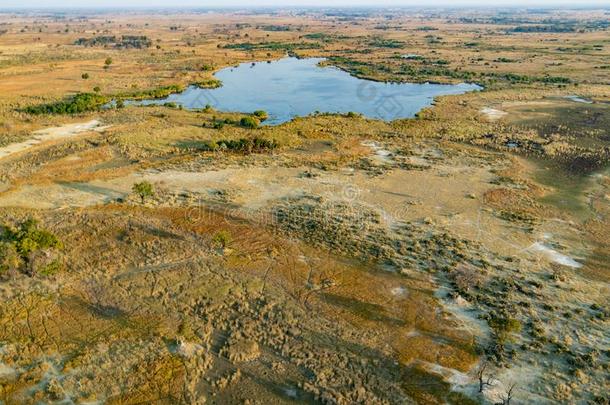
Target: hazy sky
<point>325,3</point>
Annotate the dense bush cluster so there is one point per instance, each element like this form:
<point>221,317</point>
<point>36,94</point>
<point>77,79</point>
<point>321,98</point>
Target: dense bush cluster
<point>208,84</point>
<point>80,103</point>
<point>243,145</point>
<point>418,68</point>
<point>159,92</point>
<point>386,43</point>
<point>126,41</point>
<point>275,28</point>
<point>19,248</point>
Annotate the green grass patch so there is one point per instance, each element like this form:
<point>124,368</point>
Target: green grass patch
<point>79,103</point>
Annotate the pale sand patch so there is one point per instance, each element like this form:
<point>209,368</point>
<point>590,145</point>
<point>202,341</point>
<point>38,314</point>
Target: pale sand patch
<point>493,114</point>
<point>554,256</point>
<point>51,134</point>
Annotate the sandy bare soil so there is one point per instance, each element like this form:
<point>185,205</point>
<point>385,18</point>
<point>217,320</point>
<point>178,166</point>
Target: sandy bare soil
<point>50,135</point>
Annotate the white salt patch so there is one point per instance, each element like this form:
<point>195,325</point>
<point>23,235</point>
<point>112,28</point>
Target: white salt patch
<point>188,349</point>
<point>579,99</point>
<point>381,155</point>
<point>398,291</point>
<point>412,333</point>
<point>290,392</point>
<point>554,255</point>
<point>492,114</point>
<point>454,377</point>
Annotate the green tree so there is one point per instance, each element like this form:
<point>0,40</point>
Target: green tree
<point>261,115</point>
<point>107,63</point>
<point>28,248</point>
<point>249,122</point>
<point>222,239</point>
<point>85,76</point>
<point>143,189</point>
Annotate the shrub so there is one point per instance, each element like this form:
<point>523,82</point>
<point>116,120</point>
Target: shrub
<point>143,189</point>
<point>23,245</point>
<point>108,62</point>
<point>503,326</point>
<point>249,122</point>
<point>222,239</point>
<point>85,76</point>
<point>261,115</point>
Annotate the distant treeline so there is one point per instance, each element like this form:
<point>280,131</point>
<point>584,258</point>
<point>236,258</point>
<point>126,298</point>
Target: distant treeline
<point>275,28</point>
<point>535,25</point>
<point>544,28</point>
<point>273,46</point>
<point>126,41</point>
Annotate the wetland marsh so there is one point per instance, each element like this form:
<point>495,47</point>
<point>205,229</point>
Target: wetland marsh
<point>409,243</point>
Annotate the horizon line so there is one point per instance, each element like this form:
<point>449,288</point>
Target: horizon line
<point>562,6</point>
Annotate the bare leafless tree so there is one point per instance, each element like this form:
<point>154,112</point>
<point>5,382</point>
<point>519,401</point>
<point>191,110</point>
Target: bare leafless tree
<point>510,392</point>
<point>484,381</point>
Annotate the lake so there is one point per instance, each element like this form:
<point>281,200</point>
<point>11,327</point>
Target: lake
<point>292,87</point>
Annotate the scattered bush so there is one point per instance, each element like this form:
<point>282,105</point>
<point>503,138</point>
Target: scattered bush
<point>222,239</point>
<point>503,326</point>
<point>28,247</point>
<point>249,122</point>
<point>143,189</point>
<point>261,115</point>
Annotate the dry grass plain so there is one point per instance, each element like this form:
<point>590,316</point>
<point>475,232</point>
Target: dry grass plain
<point>322,270</point>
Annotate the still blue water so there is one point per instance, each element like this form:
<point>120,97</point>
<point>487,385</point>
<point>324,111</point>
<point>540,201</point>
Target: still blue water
<point>292,87</point>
